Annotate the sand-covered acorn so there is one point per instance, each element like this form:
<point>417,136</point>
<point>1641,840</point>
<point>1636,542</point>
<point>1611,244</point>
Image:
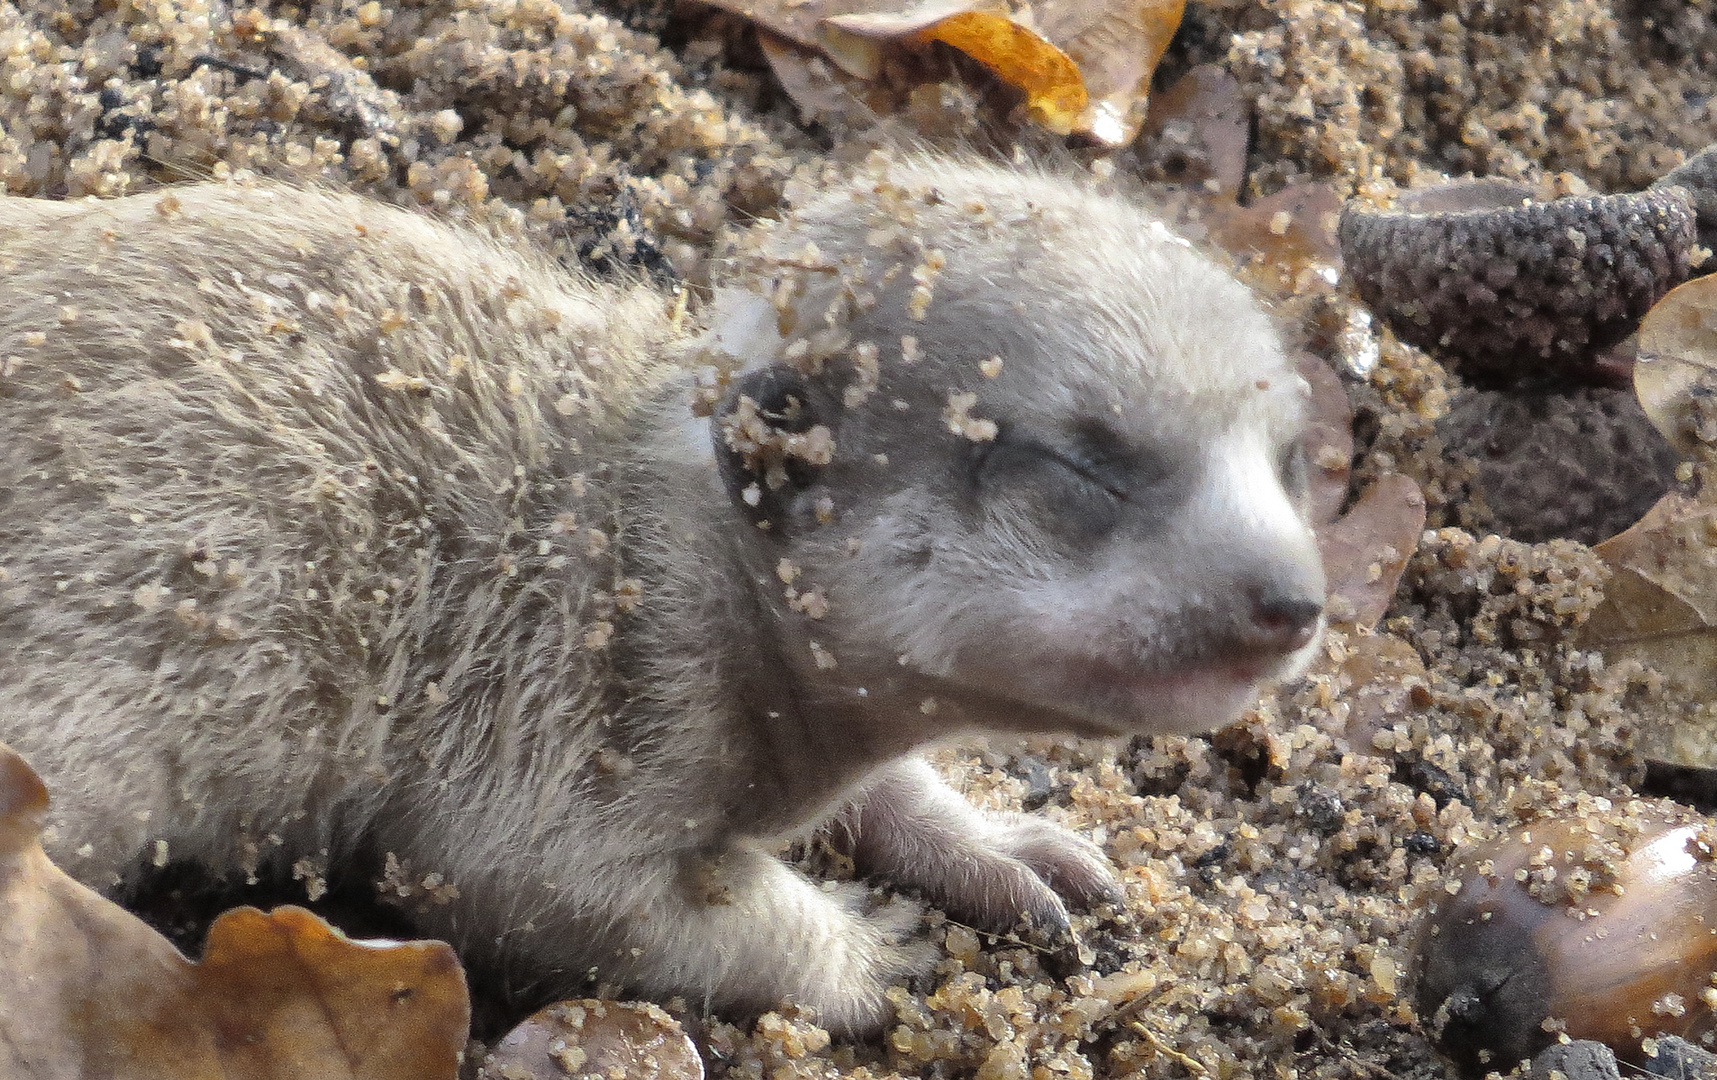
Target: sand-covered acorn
<point>1697,176</point>
<point>1502,284</point>
<point>1600,924</point>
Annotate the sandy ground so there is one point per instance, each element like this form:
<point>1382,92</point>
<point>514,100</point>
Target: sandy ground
<point>1273,868</point>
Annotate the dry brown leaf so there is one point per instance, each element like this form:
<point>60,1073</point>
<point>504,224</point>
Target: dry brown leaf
<point>1084,67</point>
<point>1365,550</point>
<point>1117,46</point>
<point>1285,244</point>
<point>614,1040</point>
<point>90,991</point>
<point>1281,239</point>
<point>1364,554</point>
<point>1660,604</point>
<point>1328,439</point>
<point>1196,134</point>
<point>1676,369</point>
<point>1660,608</point>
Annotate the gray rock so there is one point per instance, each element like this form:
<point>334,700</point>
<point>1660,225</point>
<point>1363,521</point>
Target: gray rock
<point>1580,1060</point>
<point>1680,1059</point>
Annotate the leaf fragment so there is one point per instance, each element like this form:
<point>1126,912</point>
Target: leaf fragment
<point>1084,67</point>
<point>1675,374</point>
<point>1328,441</point>
<point>1366,549</point>
<point>1055,93</point>
<point>1196,133</point>
<point>1660,609</point>
<point>1281,239</point>
<point>90,990</point>
<point>1660,604</point>
<point>1116,46</point>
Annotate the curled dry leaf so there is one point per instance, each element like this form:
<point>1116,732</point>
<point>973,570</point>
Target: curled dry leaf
<point>1364,553</point>
<point>1365,550</point>
<point>612,1040</point>
<point>89,990</point>
<point>1085,67</point>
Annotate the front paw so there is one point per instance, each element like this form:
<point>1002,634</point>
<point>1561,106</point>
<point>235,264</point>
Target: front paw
<point>989,870</point>
<point>1024,869</point>
<point>1070,865</point>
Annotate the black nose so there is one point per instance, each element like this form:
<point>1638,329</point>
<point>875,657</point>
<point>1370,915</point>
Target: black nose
<point>1282,622</point>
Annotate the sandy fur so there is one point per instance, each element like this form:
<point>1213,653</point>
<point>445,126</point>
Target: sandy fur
<point>326,528</point>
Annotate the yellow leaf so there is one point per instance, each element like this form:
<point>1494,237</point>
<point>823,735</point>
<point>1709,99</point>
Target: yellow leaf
<point>1085,65</point>
<point>1055,93</point>
<point>1116,45</point>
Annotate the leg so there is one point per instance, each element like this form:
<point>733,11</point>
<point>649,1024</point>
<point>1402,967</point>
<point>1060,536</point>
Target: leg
<point>749,933</point>
<point>989,869</point>
<point>738,932</point>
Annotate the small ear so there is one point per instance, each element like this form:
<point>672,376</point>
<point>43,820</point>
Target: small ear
<point>770,441</point>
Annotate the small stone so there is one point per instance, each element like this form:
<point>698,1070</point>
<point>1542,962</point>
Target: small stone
<point>1679,1059</point>
<point>1579,1060</point>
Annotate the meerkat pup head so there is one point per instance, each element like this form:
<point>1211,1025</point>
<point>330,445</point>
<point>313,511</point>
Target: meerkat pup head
<point>1020,454</point>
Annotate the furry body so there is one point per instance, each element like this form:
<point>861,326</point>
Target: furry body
<point>327,527</point>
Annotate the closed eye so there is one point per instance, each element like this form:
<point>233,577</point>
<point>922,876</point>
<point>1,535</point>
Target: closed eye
<point>1085,471</point>
<point>1006,454</point>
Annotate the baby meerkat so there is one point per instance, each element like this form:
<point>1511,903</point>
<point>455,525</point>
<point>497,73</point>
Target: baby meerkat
<point>326,527</point>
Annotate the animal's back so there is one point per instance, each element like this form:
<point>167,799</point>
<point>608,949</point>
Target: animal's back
<point>271,464</point>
